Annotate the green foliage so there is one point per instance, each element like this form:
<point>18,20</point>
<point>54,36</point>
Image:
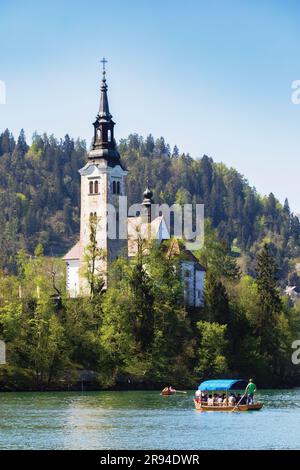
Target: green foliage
<point>94,257</point>
<point>40,190</point>
<point>39,194</point>
<point>216,300</point>
<point>215,256</point>
<point>212,350</point>
<point>139,332</point>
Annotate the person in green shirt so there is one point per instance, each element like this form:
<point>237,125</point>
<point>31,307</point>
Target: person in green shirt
<point>250,390</point>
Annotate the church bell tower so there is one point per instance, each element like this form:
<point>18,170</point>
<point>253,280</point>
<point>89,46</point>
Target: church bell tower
<point>102,184</point>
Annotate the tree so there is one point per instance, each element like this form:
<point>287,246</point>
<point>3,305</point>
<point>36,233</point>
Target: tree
<point>94,258</point>
<point>216,300</point>
<point>270,304</point>
<point>214,255</point>
<point>212,350</point>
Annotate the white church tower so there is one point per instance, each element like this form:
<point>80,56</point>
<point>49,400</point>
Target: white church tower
<point>102,182</point>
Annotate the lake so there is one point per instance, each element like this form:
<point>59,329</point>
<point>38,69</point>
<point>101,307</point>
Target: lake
<point>144,420</point>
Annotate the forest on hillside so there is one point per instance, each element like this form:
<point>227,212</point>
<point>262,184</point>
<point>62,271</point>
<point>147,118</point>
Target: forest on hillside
<point>40,197</point>
<point>138,333</point>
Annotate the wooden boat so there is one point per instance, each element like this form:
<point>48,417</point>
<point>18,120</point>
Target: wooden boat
<point>204,407</point>
<point>167,391</point>
<point>223,386</point>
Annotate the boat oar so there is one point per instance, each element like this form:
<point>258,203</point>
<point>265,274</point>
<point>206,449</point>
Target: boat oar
<point>238,403</point>
<point>180,391</point>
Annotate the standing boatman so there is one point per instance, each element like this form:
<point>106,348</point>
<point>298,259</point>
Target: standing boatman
<point>249,391</point>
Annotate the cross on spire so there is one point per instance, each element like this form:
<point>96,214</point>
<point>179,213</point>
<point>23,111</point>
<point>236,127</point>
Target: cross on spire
<point>103,62</point>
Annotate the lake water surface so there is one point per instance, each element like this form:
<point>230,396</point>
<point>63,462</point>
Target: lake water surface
<point>144,420</point>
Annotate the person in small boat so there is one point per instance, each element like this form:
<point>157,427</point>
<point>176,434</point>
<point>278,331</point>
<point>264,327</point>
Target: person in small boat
<point>232,400</point>
<point>215,398</point>
<point>199,396</point>
<point>225,401</point>
<point>220,400</point>
<point>210,401</point>
<point>242,400</point>
<point>250,390</point>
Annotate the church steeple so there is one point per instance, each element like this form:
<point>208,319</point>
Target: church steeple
<point>104,108</point>
<point>104,145</point>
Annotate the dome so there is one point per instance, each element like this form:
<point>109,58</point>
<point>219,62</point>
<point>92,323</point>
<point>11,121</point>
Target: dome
<point>148,194</point>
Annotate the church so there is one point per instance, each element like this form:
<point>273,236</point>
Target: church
<point>102,187</point>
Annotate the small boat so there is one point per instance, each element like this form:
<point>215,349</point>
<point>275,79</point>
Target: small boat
<point>224,386</point>
<point>204,407</point>
<point>168,391</point>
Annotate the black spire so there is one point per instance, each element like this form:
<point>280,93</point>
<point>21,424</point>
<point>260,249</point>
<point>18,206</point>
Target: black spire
<point>104,108</point>
<point>148,195</point>
<point>104,145</point>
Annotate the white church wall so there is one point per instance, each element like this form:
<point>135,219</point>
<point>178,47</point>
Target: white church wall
<point>187,270</point>
<point>199,294</point>
<point>193,281</point>
<point>73,278</point>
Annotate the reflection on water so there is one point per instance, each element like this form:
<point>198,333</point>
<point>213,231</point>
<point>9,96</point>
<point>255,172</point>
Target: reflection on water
<point>144,420</point>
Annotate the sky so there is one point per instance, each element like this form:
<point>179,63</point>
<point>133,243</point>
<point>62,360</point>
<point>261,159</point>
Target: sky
<point>213,77</point>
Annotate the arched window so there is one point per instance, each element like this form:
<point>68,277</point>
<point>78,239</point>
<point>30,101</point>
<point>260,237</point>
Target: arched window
<point>98,134</point>
<point>118,187</point>
<point>91,187</point>
<point>109,135</point>
<point>114,187</point>
<point>96,187</point>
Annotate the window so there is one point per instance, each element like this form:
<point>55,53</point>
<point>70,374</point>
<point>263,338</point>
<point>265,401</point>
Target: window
<point>117,224</point>
<point>109,135</point>
<point>114,187</point>
<point>118,187</point>
<point>98,134</point>
<point>91,187</point>
<point>96,186</point>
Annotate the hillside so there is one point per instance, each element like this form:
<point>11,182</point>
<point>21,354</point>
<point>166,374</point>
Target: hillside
<point>40,186</point>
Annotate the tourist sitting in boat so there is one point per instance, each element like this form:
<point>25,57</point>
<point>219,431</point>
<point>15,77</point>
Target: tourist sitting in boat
<point>225,401</point>
<point>200,397</point>
<point>215,398</point>
<point>232,400</point>
<point>241,400</point>
<point>210,401</point>
<point>220,400</point>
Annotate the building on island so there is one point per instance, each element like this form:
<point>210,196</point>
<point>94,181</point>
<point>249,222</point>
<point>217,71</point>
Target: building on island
<point>102,187</point>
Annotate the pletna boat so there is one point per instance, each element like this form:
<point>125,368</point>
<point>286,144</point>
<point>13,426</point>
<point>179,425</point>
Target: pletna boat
<point>224,386</point>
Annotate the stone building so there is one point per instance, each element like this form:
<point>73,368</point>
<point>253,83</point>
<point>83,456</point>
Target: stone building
<point>102,185</point>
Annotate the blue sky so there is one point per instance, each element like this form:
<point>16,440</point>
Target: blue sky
<point>212,76</point>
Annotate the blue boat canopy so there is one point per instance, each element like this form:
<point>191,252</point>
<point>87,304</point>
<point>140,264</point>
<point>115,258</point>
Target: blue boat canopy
<point>222,385</point>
